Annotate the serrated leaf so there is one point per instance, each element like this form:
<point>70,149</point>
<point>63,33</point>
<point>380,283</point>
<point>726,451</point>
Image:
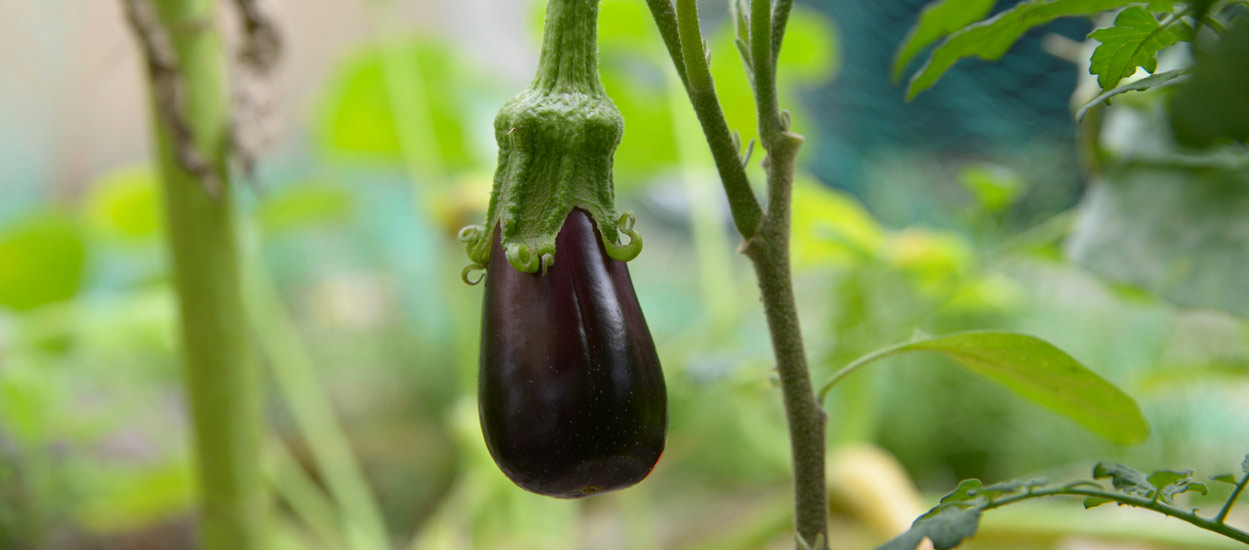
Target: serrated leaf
<point>966,490</point>
<point>1225,478</point>
<point>946,529</point>
<point>937,20</point>
<point>992,38</point>
<point>1035,369</point>
<point>1155,80</point>
<point>1125,479</point>
<point>1092,502</point>
<point>1134,41</point>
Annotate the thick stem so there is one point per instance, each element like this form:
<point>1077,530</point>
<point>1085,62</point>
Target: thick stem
<point>569,60</point>
<point>222,382</point>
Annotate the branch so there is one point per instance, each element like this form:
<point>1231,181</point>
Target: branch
<point>747,214</point>
<point>1080,489</point>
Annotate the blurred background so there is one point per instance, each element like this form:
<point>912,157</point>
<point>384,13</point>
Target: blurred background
<point>979,205</point>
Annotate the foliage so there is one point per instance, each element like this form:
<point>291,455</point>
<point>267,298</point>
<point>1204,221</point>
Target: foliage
<point>957,516</point>
<point>1036,370</point>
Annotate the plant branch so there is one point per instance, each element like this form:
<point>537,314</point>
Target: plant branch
<point>780,20</point>
<point>1231,500</point>
<point>766,237</point>
<point>745,208</point>
<point>1082,489</point>
<point>666,20</point>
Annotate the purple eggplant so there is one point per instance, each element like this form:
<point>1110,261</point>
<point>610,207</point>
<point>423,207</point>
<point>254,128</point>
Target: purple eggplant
<point>570,392</point>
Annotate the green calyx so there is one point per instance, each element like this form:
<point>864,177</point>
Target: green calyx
<point>556,142</point>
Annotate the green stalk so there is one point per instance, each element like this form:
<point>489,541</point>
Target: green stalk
<point>767,234</point>
<point>221,380</point>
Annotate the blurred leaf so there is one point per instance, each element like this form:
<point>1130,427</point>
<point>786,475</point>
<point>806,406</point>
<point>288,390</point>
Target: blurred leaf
<point>124,204</point>
<point>1244,466</point>
<point>1008,487</point>
<point>995,187</point>
<point>624,21</point>
<point>937,20</point>
<point>358,116</point>
<point>992,38</point>
<point>1183,235</point>
<point>811,54</point>
<point>42,260</point>
<point>304,204</point>
<point>1213,105</point>
<point>1155,80</point>
<point>1134,41</point>
<point>1093,502</point>
<point>946,527</point>
<point>966,490</point>
<point>128,498</point>
<point>1226,478</point>
<point>830,227</point>
<point>1127,480</point>
<point>1035,369</point>
<point>1171,482</point>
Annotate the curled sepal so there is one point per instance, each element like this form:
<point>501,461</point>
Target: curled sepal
<point>523,259</point>
<point>468,269</point>
<point>624,252</point>
<point>476,241</point>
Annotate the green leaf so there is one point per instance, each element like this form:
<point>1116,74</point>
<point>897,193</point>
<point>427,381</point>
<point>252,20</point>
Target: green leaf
<point>937,20</point>
<point>966,490</point>
<point>1134,41</point>
<point>995,187</point>
<point>1152,81</point>
<point>1035,369</point>
<point>1226,478</point>
<point>946,528</point>
<point>366,113</point>
<point>1171,482</point>
<point>1125,479</point>
<point>42,260</point>
<point>1093,502</point>
<point>1213,106</point>
<point>302,205</point>
<point>992,38</point>
<point>124,204</point>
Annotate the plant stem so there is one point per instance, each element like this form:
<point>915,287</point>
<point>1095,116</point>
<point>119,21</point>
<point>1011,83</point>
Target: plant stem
<point>766,236</point>
<point>1231,500</point>
<point>221,380</point>
<point>1213,525</point>
<point>702,91</point>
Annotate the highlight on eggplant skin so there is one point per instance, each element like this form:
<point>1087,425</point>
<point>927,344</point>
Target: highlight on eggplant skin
<point>570,392</point>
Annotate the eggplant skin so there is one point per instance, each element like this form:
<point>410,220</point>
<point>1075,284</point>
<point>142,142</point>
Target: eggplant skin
<point>570,392</point>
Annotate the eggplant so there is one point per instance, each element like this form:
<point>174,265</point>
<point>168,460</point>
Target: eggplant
<point>570,392</point>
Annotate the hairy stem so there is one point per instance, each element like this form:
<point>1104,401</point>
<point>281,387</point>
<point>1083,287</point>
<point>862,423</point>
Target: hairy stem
<point>766,236</point>
<point>1213,525</point>
<point>185,62</point>
<point>702,91</point>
